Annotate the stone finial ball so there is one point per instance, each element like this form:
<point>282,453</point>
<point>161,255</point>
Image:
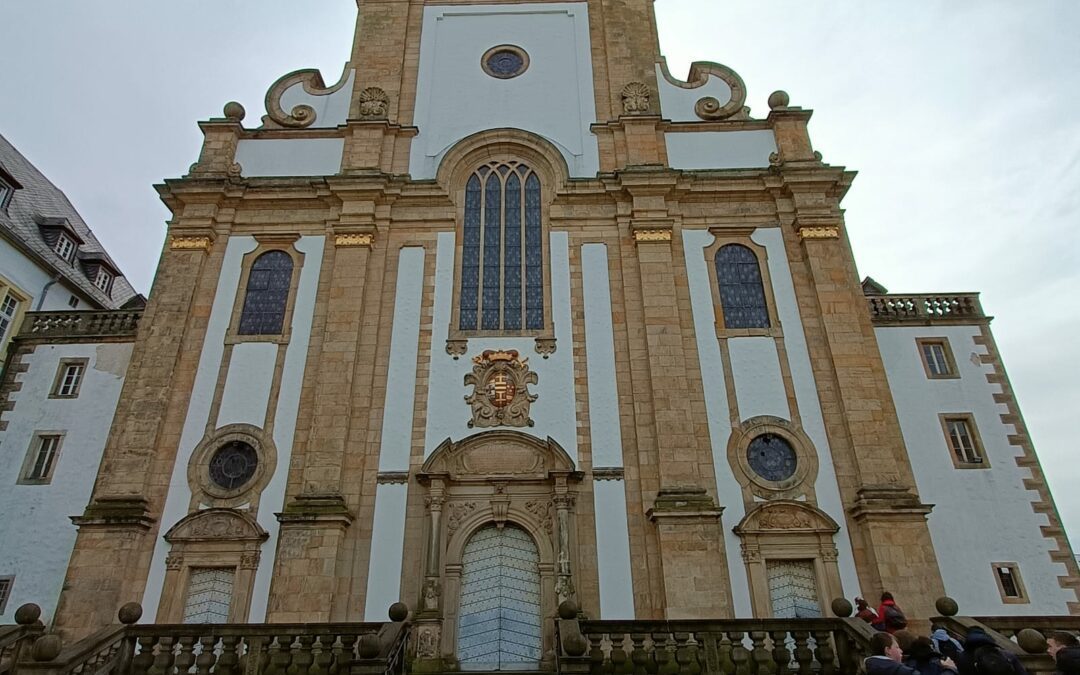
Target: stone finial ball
<point>779,99</point>
<point>369,646</point>
<point>568,609</point>
<point>27,614</point>
<point>1031,641</point>
<point>946,606</point>
<point>234,111</point>
<point>46,648</point>
<point>841,607</point>
<point>575,644</point>
<point>129,613</point>
<point>399,611</point>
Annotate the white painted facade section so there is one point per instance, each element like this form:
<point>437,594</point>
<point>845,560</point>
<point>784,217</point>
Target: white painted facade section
<point>806,397</point>
<point>331,109</point>
<point>553,98</point>
<point>254,357</point>
<point>397,422</point>
<point>677,102</point>
<point>980,515</point>
<point>604,428</point>
<point>554,410</point>
<point>387,545</point>
<point>290,156</point>
<point>716,408</point>
<point>720,149</point>
<point>29,280</point>
<point>613,550</point>
<point>30,510</point>
<point>247,385</point>
<point>759,384</point>
<point>288,407</point>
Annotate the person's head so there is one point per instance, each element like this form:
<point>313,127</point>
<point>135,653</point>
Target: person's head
<point>886,596</point>
<point>1059,640</point>
<point>905,639</point>
<point>860,603</point>
<point>921,649</point>
<point>936,627</point>
<point>883,644</point>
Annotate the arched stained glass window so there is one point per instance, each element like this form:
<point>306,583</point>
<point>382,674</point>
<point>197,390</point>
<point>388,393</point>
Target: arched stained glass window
<point>742,294</point>
<point>267,294</point>
<point>502,279</point>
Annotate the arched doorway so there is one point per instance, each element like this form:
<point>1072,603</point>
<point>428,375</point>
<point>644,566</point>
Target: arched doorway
<point>499,624</point>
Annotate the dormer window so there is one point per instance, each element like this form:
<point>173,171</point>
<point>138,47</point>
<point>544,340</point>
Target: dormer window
<point>103,280</point>
<point>6,190</point>
<point>64,247</point>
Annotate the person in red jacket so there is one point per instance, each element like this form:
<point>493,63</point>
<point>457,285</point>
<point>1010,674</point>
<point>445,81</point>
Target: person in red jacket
<point>865,612</point>
<point>890,615</point>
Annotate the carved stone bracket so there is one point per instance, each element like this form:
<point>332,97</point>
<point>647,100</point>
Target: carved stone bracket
<point>607,473</point>
<point>392,477</point>
<point>116,511</point>
<point>684,502</point>
<point>544,346</point>
<point>311,507</point>
<point>457,348</point>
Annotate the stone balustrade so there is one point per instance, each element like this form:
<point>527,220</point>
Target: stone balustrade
<point>952,307</point>
<point>82,325</point>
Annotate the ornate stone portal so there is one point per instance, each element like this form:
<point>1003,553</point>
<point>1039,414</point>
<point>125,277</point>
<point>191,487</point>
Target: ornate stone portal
<point>494,478</point>
<point>500,397</point>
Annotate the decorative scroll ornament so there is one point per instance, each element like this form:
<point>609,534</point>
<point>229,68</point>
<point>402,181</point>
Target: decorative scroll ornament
<point>500,381</point>
<point>374,103</point>
<point>635,98</point>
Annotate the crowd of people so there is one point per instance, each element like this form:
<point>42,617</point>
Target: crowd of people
<point>897,651</point>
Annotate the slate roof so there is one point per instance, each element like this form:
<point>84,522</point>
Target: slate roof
<point>39,201</point>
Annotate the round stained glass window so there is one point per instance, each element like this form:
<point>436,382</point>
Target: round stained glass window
<point>233,465</point>
<point>772,457</point>
<point>505,61</point>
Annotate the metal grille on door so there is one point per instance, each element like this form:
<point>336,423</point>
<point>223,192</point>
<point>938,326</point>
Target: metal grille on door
<point>499,622</point>
<point>793,589</point>
<point>209,596</point>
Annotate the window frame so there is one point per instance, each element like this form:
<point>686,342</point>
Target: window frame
<point>71,247</point>
<point>978,448</point>
<point>61,372</point>
<point>32,454</point>
<point>7,191</point>
<point>22,300</point>
<point>1018,580</point>
<point>265,245</point>
<point>547,330</point>
<point>741,237</point>
<point>108,276</point>
<point>952,372</point>
<point>8,592</point>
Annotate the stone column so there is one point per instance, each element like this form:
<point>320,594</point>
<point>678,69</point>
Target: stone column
<point>564,581</point>
<point>428,620</point>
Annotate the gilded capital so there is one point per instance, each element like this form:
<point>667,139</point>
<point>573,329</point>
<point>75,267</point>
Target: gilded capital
<point>354,239</point>
<point>828,232</point>
<point>179,243</point>
<point>652,235</point>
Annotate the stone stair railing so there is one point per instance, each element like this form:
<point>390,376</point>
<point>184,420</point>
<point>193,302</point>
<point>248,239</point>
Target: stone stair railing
<point>222,649</point>
<point>81,324</point>
<point>924,308</point>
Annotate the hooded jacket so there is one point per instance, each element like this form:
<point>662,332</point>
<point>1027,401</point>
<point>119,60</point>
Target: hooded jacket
<point>975,639</point>
<point>1068,661</point>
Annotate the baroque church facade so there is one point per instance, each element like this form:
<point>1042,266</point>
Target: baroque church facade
<point>512,315</point>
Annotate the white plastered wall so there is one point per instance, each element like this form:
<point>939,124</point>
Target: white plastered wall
<point>245,399</point>
<point>552,98</point>
<point>290,156</point>
<point>980,516</point>
<point>757,389</point>
<point>746,149</point>
<point>27,511</point>
<point>29,279</point>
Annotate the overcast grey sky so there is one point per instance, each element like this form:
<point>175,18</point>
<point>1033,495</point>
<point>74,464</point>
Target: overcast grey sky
<point>960,116</point>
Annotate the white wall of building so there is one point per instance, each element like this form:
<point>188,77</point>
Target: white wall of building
<point>980,515</point>
<point>553,98</point>
<point>30,512</point>
<point>30,279</point>
<point>720,149</point>
<point>290,156</point>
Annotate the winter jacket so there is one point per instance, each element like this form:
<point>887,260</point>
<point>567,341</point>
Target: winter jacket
<point>945,644</point>
<point>883,616</point>
<point>931,666</point>
<point>975,639</point>
<point>1068,661</point>
<point>883,665</point>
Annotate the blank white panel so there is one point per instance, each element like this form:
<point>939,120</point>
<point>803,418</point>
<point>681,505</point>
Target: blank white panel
<point>600,366</point>
<point>247,386</point>
<point>290,156</point>
<point>387,544</point>
<point>720,149</point>
<point>613,550</point>
<point>759,385</point>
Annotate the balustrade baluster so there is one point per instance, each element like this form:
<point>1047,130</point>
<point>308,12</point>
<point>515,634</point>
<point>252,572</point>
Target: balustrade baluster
<point>780,654</point>
<point>343,653</point>
<point>323,656</point>
<point>740,655</point>
<point>665,665</point>
<point>229,660</point>
<point>763,664</point>
<point>619,657</point>
<point>302,656</point>
<point>163,659</point>
<point>803,654</point>
<point>725,647</point>
<point>637,654</point>
<point>596,653</point>
<point>141,662</point>
<point>185,658</point>
<point>683,655</point>
<point>204,662</point>
<point>824,652</point>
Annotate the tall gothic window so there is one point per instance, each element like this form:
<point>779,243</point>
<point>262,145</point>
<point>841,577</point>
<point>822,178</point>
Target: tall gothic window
<point>502,278</point>
<point>742,294</point>
<point>267,294</point>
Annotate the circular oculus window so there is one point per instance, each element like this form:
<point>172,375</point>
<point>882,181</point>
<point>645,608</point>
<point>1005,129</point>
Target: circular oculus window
<point>772,457</point>
<point>505,61</point>
<point>233,465</point>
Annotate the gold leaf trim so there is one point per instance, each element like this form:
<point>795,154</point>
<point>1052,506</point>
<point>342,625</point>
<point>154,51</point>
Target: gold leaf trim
<point>190,243</point>
<point>343,240</point>
<point>652,235</point>
<point>819,233</point>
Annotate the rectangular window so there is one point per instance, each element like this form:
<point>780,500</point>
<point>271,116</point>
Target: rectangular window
<point>73,302</point>
<point>64,247</point>
<point>8,307</point>
<point>6,584</point>
<point>68,378</point>
<point>1009,583</point>
<point>209,595</point>
<point>937,358</point>
<point>41,459</point>
<point>5,193</point>
<point>963,440</point>
<point>103,280</point>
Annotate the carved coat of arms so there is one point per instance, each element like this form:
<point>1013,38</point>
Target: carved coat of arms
<point>500,397</point>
